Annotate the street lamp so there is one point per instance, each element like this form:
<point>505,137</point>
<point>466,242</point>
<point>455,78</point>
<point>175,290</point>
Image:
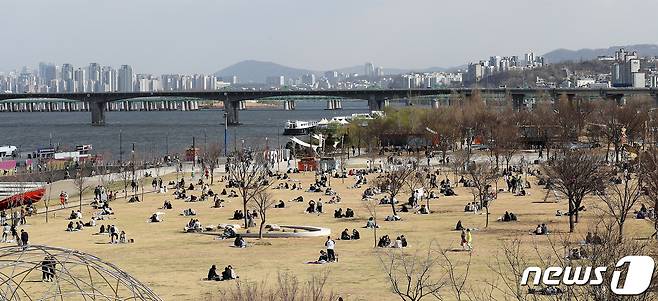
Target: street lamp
<point>225,133</point>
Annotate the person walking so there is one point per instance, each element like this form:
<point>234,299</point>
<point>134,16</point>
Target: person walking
<point>469,239</point>
<point>24,238</point>
<point>463,241</point>
<point>330,244</point>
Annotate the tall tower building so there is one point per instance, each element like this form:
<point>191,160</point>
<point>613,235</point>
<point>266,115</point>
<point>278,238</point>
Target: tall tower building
<point>67,77</point>
<point>369,70</point>
<point>125,81</point>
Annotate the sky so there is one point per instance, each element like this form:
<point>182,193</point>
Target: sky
<point>203,36</point>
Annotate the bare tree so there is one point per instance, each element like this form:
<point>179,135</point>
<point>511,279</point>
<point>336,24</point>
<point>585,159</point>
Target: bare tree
<point>210,158</point>
<point>620,200</point>
<point>483,175</point>
<point>371,205</point>
<point>80,182</point>
<point>286,288</point>
<point>459,160</point>
<point>262,202</point>
<point>393,182</point>
<point>649,172</point>
<point>414,277</point>
<point>577,173</point>
<point>126,177</point>
<point>250,173</point>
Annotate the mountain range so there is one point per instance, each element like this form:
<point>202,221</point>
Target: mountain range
<point>586,54</point>
<point>253,71</point>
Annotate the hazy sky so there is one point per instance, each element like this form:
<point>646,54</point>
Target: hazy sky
<point>204,36</point>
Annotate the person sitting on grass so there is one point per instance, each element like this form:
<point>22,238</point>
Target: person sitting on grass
<point>349,213</point>
<point>281,204</point>
<point>239,242</point>
<point>355,235</point>
<point>229,232</point>
<point>229,274</point>
<point>384,242</point>
<point>323,257</point>
<point>155,218</point>
<point>167,205</point>
<point>370,224</point>
<point>423,210</point>
<point>212,274</point>
<point>338,213</point>
<point>70,227</point>
<point>238,215</point>
<point>311,207</point>
<point>459,226</point>
<point>345,235</point>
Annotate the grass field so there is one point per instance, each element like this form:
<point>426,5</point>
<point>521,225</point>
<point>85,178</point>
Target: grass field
<point>173,263</point>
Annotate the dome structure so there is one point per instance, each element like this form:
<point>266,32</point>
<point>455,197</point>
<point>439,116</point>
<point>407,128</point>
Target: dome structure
<point>50,273</point>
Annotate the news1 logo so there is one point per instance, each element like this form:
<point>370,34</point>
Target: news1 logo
<point>638,275</point>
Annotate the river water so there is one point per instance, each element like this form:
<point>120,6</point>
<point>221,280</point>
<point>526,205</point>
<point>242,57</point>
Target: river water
<point>155,132</point>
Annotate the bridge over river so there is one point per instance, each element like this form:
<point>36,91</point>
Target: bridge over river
<point>98,103</point>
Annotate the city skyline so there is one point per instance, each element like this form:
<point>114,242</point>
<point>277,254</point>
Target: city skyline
<point>153,37</point>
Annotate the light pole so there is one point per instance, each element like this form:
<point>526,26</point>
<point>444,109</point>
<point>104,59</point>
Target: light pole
<point>225,133</point>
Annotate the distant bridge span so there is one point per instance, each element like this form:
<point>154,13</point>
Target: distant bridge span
<point>376,97</point>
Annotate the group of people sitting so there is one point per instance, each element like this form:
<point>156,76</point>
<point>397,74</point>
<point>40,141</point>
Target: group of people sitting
<point>508,217</point>
<point>193,226</point>
<point>577,253</point>
<point>229,232</point>
<point>189,212</point>
<point>232,194</point>
<point>446,188</point>
<point>167,205</point>
<point>134,199</point>
<point>593,239</point>
<point>399,242</point>
<point>238,215</point>
<point>423,210</point>
<point>228,274</point>
<point>472,207</point>
<point>314,207</point>
<point>78,226</point>
<point>387,201</point>
<point>75,215</point>
<point>345,235</point>
<point>541,230</point>
<point>338,213</point>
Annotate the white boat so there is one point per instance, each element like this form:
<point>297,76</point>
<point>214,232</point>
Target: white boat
<point>299,127</point>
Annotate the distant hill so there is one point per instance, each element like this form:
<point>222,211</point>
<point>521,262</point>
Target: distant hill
<point>252,71</point>
<point>563,55</point>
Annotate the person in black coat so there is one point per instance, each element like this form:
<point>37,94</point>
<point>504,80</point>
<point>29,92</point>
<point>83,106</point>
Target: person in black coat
<point>24,237</point>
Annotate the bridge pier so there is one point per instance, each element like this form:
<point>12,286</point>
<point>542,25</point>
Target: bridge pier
<point>617,98</point>
<point>97,113</point>
<point>289,105</point>
<point>518,101</point>
<point>330,104</point>
<point>231,110</point>
<point>377,104</point>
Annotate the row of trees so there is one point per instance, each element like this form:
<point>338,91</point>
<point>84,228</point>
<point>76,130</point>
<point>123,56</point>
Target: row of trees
<point>504,129</point>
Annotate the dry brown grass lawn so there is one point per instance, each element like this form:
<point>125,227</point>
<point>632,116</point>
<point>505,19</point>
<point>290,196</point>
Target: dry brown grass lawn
<point>173,263</point>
